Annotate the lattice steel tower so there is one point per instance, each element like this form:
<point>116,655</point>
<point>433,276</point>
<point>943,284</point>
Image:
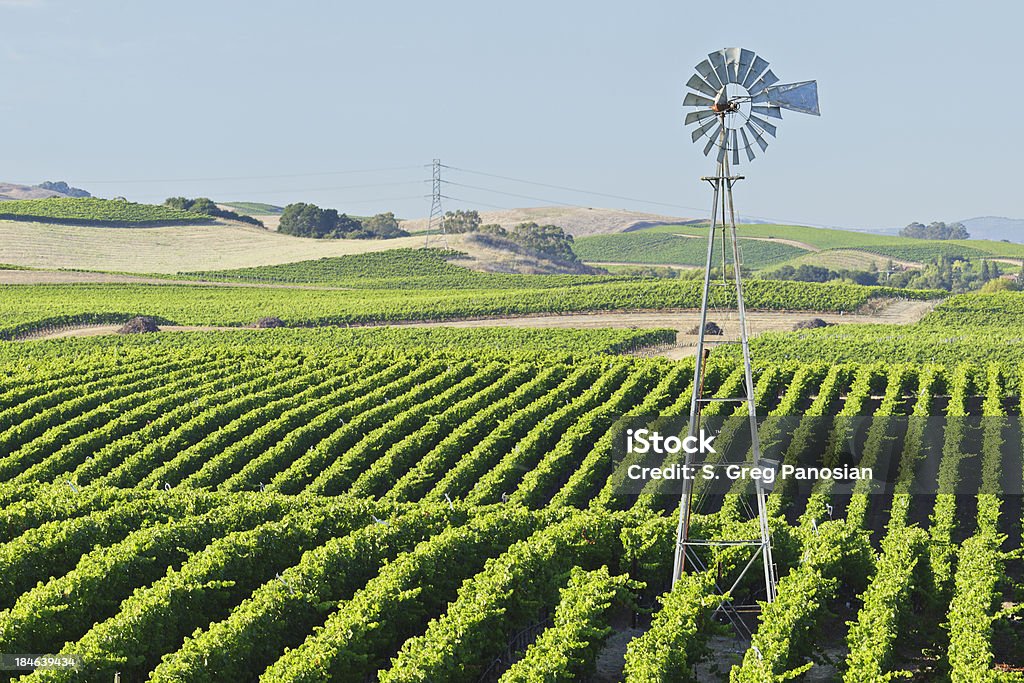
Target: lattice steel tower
<point>735,92</point>
<point>436,219</point>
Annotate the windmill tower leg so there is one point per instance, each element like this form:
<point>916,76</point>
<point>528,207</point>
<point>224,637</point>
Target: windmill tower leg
<point>686,555</point>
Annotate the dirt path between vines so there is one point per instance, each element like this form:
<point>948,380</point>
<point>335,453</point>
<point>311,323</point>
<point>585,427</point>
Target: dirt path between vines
<point>896,312</point>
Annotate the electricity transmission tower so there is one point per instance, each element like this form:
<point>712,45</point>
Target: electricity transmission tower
<point>436,219</point>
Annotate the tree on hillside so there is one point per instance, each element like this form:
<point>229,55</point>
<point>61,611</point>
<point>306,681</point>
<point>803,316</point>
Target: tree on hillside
<point>936,231</point>
<point>308,220</point>
<point>460,221</point>
<point>207,207</point>
<point>493,229</point>
<point>345,225</point>
<point>177,203</point>
<point>549,240</point>
<point>384,225</point>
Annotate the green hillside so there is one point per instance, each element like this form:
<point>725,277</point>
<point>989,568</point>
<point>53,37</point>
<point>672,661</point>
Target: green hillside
<point>396,269</point>
<point>96,212</point>
<point>253,208</point>
<point>659,248</point>
<point>975,327</point>
<point>886,245</point>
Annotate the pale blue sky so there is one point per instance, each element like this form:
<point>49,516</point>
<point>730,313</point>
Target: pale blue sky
<point>920,101</point>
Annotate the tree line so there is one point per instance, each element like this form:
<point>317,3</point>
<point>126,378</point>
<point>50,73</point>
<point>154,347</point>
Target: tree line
<point>936,230</point>
<point>207,207</point>
<point>945,272</point>
<point>309,220</point>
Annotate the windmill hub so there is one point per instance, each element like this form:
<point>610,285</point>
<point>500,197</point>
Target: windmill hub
<point>733,100</point>
<point>722,104</point>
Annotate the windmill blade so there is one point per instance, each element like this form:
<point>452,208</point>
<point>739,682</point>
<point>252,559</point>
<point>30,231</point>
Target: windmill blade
<point>699,115</point>
<point>712,139</point>
<point>721,68</point>
<point>703,129</point>
<point>721,153</point>
<point>771,111</point>
<point>692,100</point>
<point>698,84</point>
<point>756,69</point>
<point>763,125</point>
<point>762,83</point>
<point>801,97</point>
<point>732,62</point>
<point>746,144</point>
<point>761,142</point>
<point>735,148</point>
<point>707,72</point>
<point>746,59</point>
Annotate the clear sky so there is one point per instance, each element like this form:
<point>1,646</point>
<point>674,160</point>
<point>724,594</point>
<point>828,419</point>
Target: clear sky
<point>268,101</point>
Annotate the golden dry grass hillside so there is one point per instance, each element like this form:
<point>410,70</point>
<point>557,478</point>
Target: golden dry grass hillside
<point>578,221</point>
<point>168,249</point>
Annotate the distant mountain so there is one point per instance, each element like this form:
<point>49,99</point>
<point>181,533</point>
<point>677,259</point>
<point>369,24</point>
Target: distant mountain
<point>63,188</point>
<point>15,191</point>
<point>995,228</point>
<point>40,191</point>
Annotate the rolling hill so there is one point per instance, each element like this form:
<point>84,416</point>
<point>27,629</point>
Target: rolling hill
<point>14,191</point>
<point>995,228</point>
<point>769,246</point>
<point>578,221</point>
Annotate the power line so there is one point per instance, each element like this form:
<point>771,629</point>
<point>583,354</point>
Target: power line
<point>386,199</point>
<point>335,187</point>
<point>256,177</point>
<point>574,189</point>
<point>701,210</point>
<point>508,194</point>
<point>475,203</point>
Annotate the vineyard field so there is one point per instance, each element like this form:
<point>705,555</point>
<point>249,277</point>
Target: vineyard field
<point>309,508</point>
<point>967,327</point>
<point>253,208</point>
<point>660,248</point>
<point>403,268</point>
<point>831,238</point>
<point>95,211</point>
<point>382,388</point>
<point>24,308</point>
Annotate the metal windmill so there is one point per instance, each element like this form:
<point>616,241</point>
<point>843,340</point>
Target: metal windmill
<point>735,94</point>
